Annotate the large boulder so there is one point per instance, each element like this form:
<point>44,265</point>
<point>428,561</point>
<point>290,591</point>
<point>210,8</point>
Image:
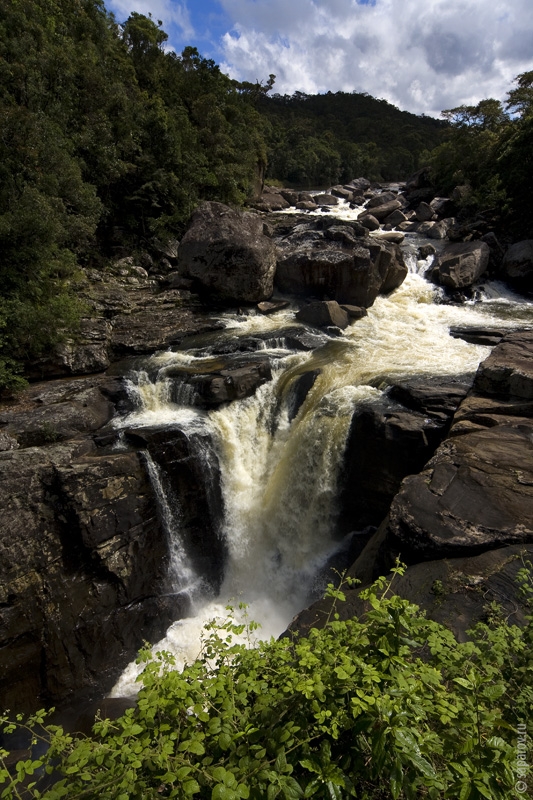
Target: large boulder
<point>509,368</point>
<point>222,381</point>
<point>228,253</point>
<point>460,264</point>
<point>382,211</point>
<point>337,264</point>
<point>517,265</point>
<point>323,313</point>
<point>475,494</point>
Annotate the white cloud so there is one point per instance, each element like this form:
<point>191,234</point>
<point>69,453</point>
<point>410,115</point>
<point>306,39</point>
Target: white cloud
<point>169,12</point>
<point>420,56</point>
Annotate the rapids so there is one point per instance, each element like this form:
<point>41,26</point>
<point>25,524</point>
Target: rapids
<point>280,475</point>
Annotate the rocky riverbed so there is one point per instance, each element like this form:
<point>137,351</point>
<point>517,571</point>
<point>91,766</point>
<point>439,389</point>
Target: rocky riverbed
<point>439,468</point>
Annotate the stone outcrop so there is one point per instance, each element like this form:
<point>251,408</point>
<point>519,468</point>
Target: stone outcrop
<point>457,592</point>
<point>476,493</point>
<point>82,558</point>
<point>460,264</point>
<point>335,263</point>
<point>229,255</point>
<point>391,439</point>
<point>517,265</point>
<point>225,380</point>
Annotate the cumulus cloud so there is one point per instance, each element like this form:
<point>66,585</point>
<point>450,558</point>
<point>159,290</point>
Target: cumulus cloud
<point>170,12</point>
<point>423,57</point>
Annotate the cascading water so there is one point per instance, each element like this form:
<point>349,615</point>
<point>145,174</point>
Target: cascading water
<point>279,472</point>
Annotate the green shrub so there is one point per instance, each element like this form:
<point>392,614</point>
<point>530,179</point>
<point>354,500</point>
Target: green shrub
<point>390,706</point>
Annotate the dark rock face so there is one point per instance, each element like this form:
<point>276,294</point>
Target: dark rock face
<point>382,211</point>
<point>386,442</point>
<point>460,264</point>
<point>476,493</point>
<point>336,264</point>
<point>455,592</point>
<point>229,254</point>
<point>323,313</point>
<point>191,479</point>
<point>82,558</point>
<point>57,410</point>
<point>509,368</point>
<point>518,265</point>
<point>228,379</point>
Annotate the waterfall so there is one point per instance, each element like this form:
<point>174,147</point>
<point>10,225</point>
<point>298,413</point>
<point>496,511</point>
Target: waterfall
<point>280,471</point>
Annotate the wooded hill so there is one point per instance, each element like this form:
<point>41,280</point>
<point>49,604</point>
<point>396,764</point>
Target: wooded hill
<point>109,142</point>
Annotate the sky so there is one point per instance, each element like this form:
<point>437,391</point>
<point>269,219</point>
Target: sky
<point>421,55</point>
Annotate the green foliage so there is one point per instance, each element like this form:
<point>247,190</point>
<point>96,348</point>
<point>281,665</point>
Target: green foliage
<point>325,139</point>
<point>387,706</point>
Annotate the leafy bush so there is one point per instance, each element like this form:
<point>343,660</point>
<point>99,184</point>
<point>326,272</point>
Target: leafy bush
<point>387,706</point>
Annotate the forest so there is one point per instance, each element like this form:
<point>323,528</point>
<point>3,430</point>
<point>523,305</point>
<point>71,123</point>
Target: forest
<point>109,141</point>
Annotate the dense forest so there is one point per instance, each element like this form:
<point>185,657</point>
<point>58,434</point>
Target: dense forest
<point>108,140</point>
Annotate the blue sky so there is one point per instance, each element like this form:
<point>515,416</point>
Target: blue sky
<point>421,55</point>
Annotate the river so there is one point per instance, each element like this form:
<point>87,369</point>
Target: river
<point>280,474</point>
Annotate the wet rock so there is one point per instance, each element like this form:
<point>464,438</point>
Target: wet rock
<point>382,211</point>
<point>226,380</point>
<point>82,557</point>
<point>342,193</point>
<point>190,476</point>
<point>333,264</point>
<point>355,312</point>
<point>271,307</point>
<point>323,313</point>
<point>483,336</point>
<point>325,199</point>
<point>508,370</point>
<point>395,218</point>
<point>290,196</point>
<point>271,199</point>
<point>517,266</point>
<point>424,212</point>
<point>475,494</point>
<point>228,253</point>
<point>460,264</point>
<point>369,222</point>
<point>299,391</point>
<point>306,205</point>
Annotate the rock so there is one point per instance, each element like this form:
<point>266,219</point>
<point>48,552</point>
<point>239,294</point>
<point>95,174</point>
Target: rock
<point>443,207</point>
<point>424,212</point>
<point>270,307</point>
<point>381,199</point>
<point>460,264</point>
<point>359,184</point>
<point>438,231</point>
<point>419,180</point>
<point>271,199</point>
<point>7,442</point>
<point>391,236</point>
<point>323,313</point>
<point>426,250</point>
<point>456,592</point>
<point>229,254</point>
<point>395,218</point>
<point>325,199</point>
<point>517,265</point>
<point>387,442</point>
<point>423,228</point>
<point>290,196</point>
<point>475,494</point>
<point>508,370</point>
<point>332,263</point>
<point>56,410</point>
<point>381,212</point>
<point>306,205</point>
<point>190,476</point>
<point>342,193</point>
<point>225,380</point>
<point>484,336</point>
<point>299,391</point>
<point>369,222</point>
<point>87,354</point>
<point>355,312</point>
<point>82,559</point>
